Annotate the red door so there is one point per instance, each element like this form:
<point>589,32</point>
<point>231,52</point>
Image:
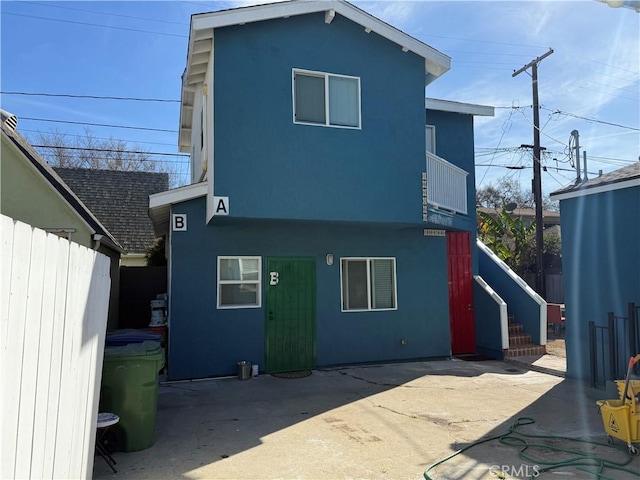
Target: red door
<point>463,338</point>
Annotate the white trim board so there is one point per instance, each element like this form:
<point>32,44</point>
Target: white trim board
<point>458,107</point>
<point>160,204</point>
<point>609,187</point>
<point>436,63</point>
<point>178,195</point>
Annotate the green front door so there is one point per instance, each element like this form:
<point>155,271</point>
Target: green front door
<point>290,286</point>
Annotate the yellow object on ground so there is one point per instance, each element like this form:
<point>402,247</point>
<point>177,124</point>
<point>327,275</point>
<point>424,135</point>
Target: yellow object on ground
<point>621,417</point>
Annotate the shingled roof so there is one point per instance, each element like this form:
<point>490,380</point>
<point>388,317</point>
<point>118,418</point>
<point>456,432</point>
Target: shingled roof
<point>608,181</point>
<point>120,200</point>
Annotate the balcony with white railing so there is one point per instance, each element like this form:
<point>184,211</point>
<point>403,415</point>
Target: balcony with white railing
<point>446,185</point>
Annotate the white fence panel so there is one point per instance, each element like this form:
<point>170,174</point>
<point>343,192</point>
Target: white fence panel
<point>55,297</point>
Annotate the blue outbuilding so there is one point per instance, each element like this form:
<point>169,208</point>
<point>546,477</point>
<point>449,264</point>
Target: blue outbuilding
<point>601,264</point>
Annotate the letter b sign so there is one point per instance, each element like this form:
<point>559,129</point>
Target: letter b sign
<point>179,222</point>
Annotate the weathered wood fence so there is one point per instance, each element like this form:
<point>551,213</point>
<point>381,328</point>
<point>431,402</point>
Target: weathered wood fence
<point>554,291</point>
<point>54,301</point>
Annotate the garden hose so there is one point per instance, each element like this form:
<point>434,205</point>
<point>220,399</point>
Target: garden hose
<point>523,441</point>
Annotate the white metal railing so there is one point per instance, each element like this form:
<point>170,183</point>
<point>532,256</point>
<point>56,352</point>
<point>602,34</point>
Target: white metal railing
<point>446,184</point>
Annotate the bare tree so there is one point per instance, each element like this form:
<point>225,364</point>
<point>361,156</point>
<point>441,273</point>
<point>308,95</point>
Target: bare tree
<point>90,151</point>
<point>508,190</point>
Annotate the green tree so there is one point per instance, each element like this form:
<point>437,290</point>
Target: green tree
<point>507,236</point>
<point>155,255</point>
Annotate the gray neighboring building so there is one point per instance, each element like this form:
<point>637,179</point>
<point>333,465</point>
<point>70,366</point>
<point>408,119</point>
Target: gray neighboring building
<point>120,199</point>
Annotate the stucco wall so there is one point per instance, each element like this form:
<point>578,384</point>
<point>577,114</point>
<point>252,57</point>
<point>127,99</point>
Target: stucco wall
<point>601,262</point>
<point>488,328</point>
<point>206,341</point>
<point>272,168</point>
<point>27,197</point>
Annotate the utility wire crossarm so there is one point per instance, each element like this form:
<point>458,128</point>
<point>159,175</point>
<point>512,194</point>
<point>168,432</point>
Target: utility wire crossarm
<point>537,177</point>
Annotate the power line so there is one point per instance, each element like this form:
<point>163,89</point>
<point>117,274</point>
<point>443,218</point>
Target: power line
<point>105,158</point>
<point>488,53</point>
<point>107,13</point>
<point>126,140</point>
<point>99,124</point>
<point>506,126</point>
<point>622,89</point>
<point>88,149</point>
<point>94,24</point>
<point>527,167</point>
<point>590,119</point>
<point>556,180</point>
<point>99,97</point>
<point>477,41</point>
<point>537,128</point>
<point>602,92</point>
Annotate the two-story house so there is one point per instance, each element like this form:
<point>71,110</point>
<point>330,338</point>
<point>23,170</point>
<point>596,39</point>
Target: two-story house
<point>316,231</point>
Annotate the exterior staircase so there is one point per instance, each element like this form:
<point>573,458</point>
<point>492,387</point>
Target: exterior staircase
<point>520,343</point>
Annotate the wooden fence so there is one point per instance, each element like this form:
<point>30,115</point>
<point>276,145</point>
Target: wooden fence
<point>54,301</point>
<point>553,286</point>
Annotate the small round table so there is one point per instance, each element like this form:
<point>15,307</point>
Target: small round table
<point>105,420</point>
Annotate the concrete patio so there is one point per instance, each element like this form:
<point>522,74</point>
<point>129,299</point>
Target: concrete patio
<point>378,422</point>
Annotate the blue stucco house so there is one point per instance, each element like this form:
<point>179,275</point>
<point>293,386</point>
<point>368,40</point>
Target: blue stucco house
<point>601,262</point>
<point>331,215</point>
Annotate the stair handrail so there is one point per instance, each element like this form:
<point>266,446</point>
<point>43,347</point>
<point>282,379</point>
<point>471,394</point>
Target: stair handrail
<point>504,318</point>
<point>522,284</point>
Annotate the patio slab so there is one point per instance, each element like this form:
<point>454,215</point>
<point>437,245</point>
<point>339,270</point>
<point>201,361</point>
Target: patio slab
<point>378,422</point>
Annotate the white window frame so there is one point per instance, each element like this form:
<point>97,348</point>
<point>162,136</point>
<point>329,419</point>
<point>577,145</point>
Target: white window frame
<point>430,131</point>
<point>326,77</point>
<point>257,282</point>
<point>369,296</point>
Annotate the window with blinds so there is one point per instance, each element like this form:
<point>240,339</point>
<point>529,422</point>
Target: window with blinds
<point>326,99</point>
<point>239,282</point>
<point>368,284</point>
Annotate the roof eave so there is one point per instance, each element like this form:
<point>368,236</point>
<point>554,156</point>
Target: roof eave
<point>160,204</point>
<point>594,189</point>
<point>459,107</point>
<point>204,24</point>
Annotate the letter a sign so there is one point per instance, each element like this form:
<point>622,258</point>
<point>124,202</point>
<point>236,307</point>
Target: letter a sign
<point>221,205</point>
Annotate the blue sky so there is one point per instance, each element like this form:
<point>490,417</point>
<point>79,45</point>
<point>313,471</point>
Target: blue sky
<point>138,49</point>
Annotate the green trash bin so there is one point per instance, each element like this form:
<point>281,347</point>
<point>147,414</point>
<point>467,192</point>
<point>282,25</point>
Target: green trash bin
<point>130,390</point>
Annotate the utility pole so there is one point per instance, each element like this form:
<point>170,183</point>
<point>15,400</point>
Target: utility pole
<point>576,136</point>
<point>537,180</point>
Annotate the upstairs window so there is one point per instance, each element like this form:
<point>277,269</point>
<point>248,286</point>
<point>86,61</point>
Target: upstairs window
<point>368,284</point>
<point>326,99</point>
